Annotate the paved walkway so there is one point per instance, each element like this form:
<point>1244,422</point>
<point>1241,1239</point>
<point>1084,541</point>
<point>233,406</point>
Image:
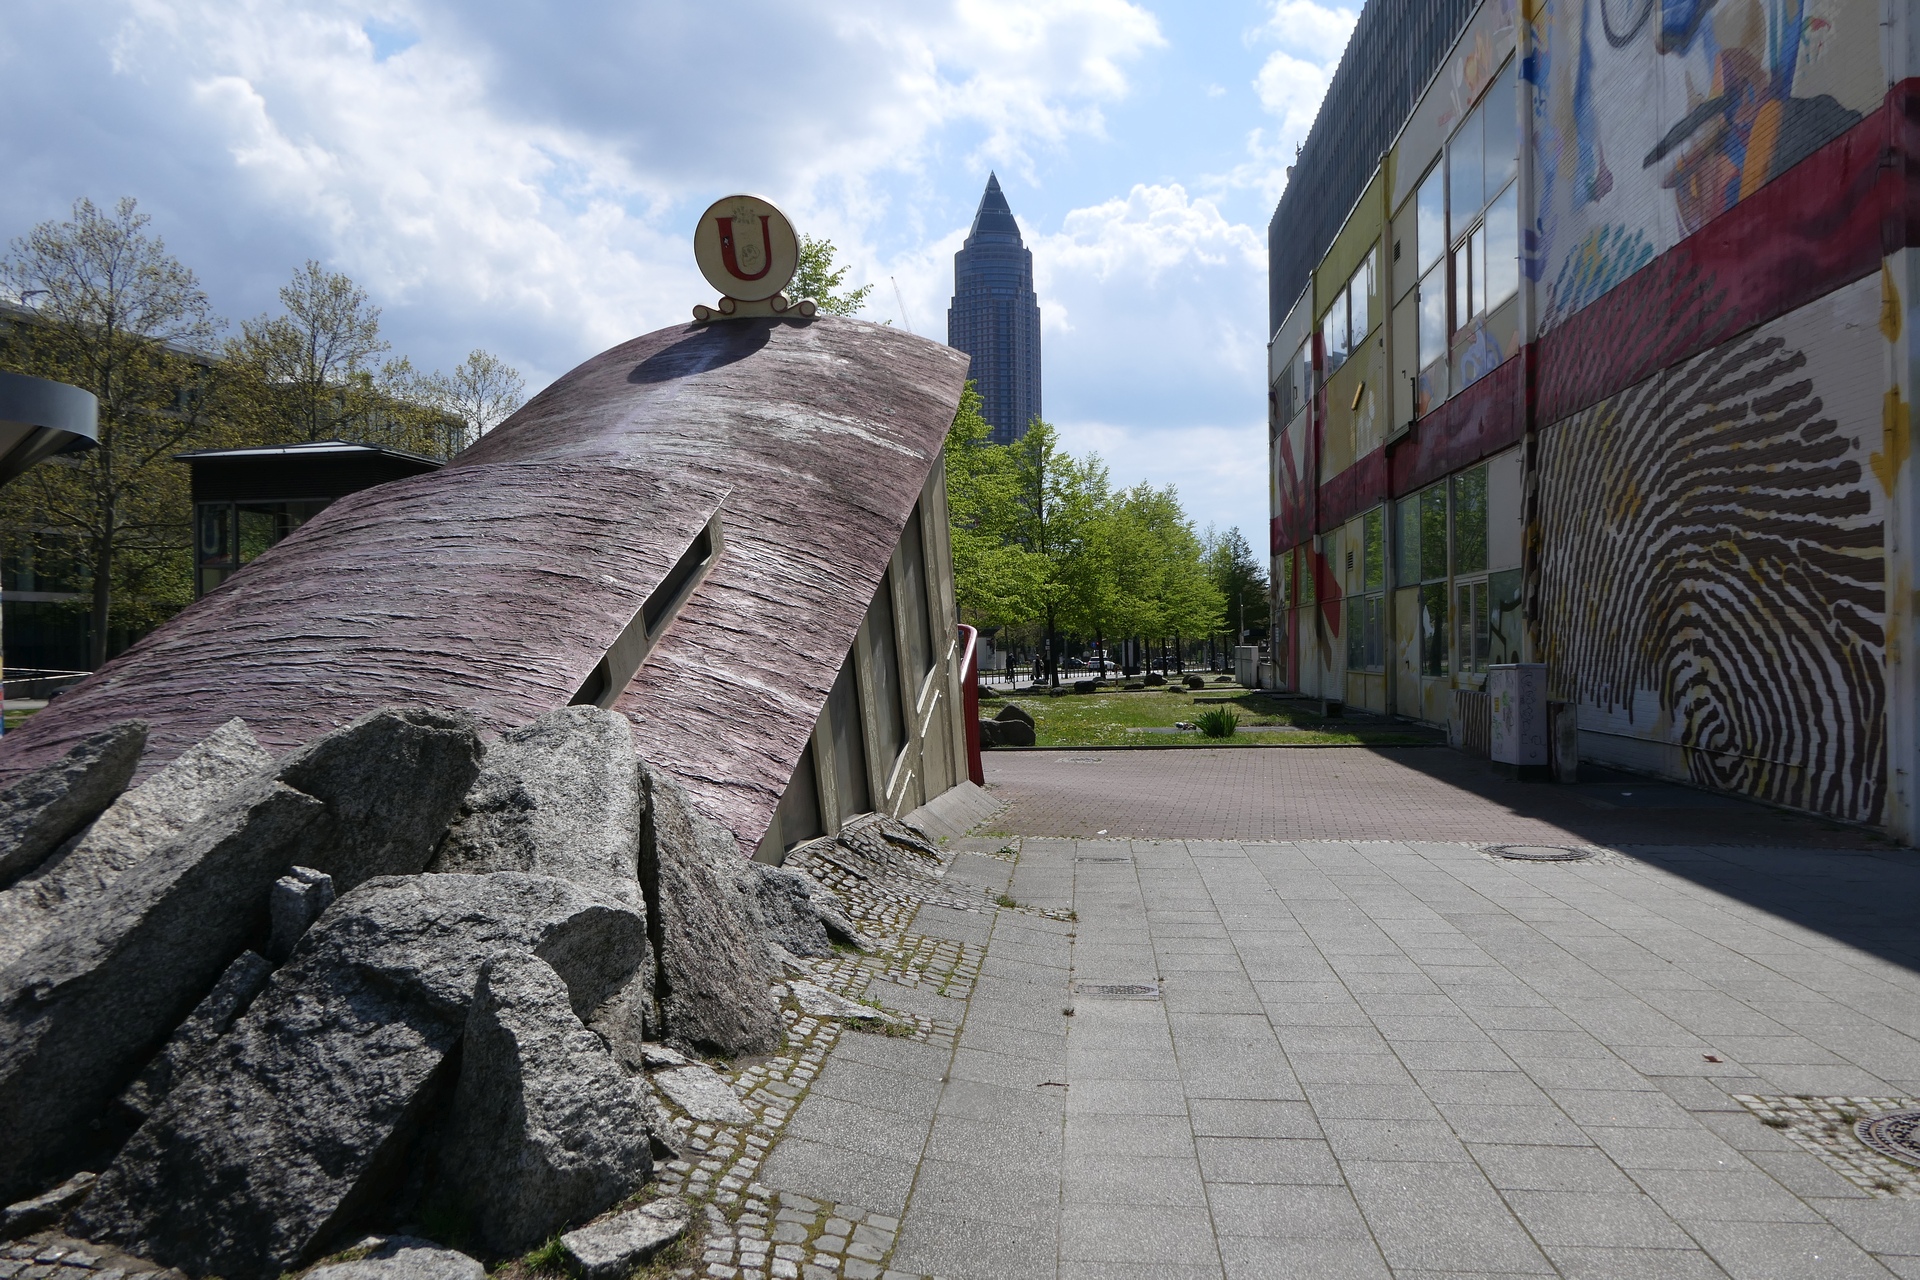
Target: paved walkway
<point>1381,793</point>
<point>1326,1058</point>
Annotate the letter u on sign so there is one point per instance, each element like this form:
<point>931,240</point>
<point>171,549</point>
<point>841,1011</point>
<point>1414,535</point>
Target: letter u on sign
<point>745,248</point>
<point>730,254</point>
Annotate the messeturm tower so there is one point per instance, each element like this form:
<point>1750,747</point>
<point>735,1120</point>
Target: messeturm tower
<point>995,317</point>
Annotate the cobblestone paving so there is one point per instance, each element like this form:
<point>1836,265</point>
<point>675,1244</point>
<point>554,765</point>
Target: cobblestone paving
<point>1392,1058</point>
<point>51,1256</point>
<point>920,983</point>
<point>1825,1126</point>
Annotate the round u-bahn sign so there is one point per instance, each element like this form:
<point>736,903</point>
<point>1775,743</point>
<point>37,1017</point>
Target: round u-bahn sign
<point>746,248</point>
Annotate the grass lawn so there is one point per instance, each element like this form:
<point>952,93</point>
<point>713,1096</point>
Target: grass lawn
<point>1139,719</point>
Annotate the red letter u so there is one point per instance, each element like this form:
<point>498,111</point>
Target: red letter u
<point>733,263</point>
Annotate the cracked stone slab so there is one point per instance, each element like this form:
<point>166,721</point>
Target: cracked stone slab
<point>704,1094</point>
<point>612,1247</point>
<point>817,1002</point>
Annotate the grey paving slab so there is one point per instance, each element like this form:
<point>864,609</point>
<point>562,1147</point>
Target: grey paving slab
<point>1378,1059</point>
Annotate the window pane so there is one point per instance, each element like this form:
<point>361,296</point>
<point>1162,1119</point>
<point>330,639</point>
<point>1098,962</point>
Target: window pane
<point>1503,597</point>
<point>1433,629</point>
<point>1356,633</point>
<point>1309,585</point>
<point>1462,285</point>
<point>1333,333</point>
<point>1376,633</point>
<point>1433,316</point>
<point>1503,130</point>
<point>1463,627</point>
<point>1406,542</point>
<point>1466,190</point>
<point>1433,532</point>
<point>1470,521</point>
<point>1357,306</point>
<point>1430,217</point>
<point>1479,626</point>
<point>1503,247</point>
<point>259,529</point>
<point>216,535</point>
<point>1375,550</point>
<point>1477,255</point>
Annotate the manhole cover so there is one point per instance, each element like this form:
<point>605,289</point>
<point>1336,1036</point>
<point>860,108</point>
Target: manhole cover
<point>1118,990</point>
<point>1539,853</point>
<point>1896,1134</point>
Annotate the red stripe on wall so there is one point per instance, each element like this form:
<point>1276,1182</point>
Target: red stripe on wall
<point>1476,424</point>
<point>1823,224</point>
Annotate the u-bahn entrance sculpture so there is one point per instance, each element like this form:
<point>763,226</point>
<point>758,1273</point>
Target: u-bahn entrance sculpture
<point>733,532</point>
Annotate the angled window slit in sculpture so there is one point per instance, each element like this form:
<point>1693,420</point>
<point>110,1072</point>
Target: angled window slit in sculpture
<point>628,652</point>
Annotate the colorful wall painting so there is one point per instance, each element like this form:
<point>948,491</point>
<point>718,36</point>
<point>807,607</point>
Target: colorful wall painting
<point>1652,117</point>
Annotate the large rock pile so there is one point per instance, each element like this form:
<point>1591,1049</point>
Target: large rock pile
<point>390,978</point>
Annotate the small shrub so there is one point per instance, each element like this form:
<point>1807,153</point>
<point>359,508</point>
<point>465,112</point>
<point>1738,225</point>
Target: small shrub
<point>1218,723</point>
<point>1005,900</point>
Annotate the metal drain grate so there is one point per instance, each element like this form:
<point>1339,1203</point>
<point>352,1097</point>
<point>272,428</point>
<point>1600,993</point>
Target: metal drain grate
<point>1539,853</point>
<point>1895,1134</point>
<point>1117,990</point>
<point>1118,857</point>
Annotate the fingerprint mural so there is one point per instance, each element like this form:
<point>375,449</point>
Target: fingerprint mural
<point>1728,96</point>
<point>1711,575</point>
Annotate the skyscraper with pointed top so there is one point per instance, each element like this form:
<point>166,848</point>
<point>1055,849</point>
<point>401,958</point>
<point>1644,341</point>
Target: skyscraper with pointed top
<point>995,317</point>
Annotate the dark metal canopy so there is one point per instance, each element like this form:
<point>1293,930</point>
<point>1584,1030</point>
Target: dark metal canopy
<point>39,418</point>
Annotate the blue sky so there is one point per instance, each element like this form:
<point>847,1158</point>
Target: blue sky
<point>523,176</point>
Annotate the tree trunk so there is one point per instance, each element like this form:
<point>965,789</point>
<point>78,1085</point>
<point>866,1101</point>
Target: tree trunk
<point>102,595</point>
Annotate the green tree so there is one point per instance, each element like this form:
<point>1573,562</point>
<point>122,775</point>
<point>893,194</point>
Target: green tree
<point>113,312</point>
<point>998,582</point>
<point>312,367</point>
<point>1242,582</point>
<point>310,373</point>
<point>1041,538</point>
<point>816,277</point>
<point>1168,592</point>
<point>482,392</point>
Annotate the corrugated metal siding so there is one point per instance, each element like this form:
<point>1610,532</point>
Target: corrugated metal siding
<point>1396,47</point>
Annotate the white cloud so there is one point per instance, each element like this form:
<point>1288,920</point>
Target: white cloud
<point>1154,229</point>
<point>521,179</point>
<point>1208,464</point>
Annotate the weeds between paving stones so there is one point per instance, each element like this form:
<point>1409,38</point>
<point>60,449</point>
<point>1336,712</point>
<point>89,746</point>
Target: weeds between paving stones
<point>1825,1128</point>
<point>743,1230</point>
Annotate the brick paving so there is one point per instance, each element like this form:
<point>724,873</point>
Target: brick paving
<point>1388,1054</point>
<point>1382,793</point>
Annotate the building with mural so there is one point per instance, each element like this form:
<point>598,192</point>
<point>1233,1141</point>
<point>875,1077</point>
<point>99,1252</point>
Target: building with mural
<point>995,316</point>
<point>1592,346</point>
